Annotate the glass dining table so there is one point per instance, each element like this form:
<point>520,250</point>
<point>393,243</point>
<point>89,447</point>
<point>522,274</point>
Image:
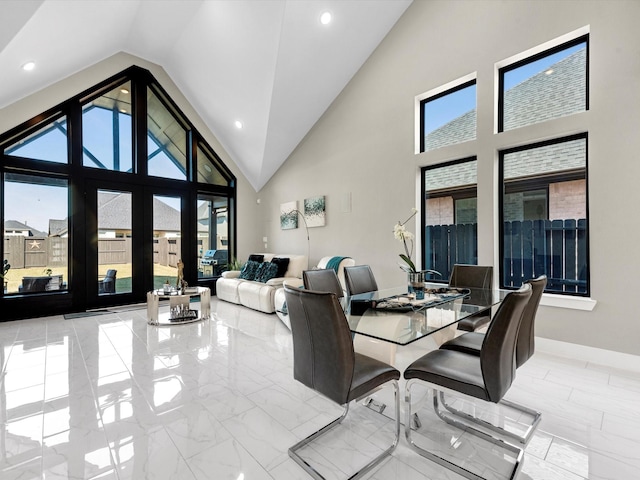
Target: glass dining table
<point>393,315</point>
<point>392,326</point>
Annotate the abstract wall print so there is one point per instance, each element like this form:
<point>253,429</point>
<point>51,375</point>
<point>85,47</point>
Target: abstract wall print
<point>314,211</point>
<point>289,215</point>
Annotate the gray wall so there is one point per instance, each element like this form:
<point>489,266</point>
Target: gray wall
<point>363,147</point>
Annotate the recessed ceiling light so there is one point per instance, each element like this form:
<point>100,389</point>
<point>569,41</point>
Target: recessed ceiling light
<point>238,124</point>
<point>29,66</point>
<point>207,168</point>
<point>325,18</point>
<point>549,72</point>
<point>124,90</point>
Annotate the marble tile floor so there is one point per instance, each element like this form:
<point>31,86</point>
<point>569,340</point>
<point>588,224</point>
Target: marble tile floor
<point>108,397</point>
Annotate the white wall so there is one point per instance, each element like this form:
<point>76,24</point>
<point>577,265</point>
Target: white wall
<point>363,147</point>
<point>37,103</point>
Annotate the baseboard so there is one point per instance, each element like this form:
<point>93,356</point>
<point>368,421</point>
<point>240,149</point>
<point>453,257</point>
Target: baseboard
<point>609,358</point>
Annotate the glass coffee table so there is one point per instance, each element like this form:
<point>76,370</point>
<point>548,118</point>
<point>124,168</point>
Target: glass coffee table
<point>180,311</point>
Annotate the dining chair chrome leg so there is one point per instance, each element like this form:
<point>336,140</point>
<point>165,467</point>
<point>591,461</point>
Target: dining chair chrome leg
<point>293,451</point>
<point>518,452</point>
<point>523,439</point>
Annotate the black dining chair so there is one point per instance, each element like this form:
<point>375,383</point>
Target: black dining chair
<point>322,280</point>
<point>359,279</point>
<point>473,277</point>
<point>487,377</point>
<point>324,360</point>
<point>525,346</point>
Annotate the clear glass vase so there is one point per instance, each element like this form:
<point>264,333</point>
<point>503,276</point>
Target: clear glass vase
<point>416,283</point>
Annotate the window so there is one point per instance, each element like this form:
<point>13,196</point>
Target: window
<point>166,239</point>
<point>450,215</point>
<point>166,140</point>
<point>210,169</point>
<point>48,143</point>
<point>448,117</point>
<point>544,213</point>
<point>549,85</point>
<point>106,131</point>
<point>115,250</point>
<point>80,193</point>
<point>212,235</point>
<point>36,233</point>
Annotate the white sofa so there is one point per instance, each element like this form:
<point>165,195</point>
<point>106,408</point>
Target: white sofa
<point>256,295</point>
<point>280,303</point>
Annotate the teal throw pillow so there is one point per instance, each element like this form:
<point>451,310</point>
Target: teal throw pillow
<point>266,272</point>
<point>249,270</point>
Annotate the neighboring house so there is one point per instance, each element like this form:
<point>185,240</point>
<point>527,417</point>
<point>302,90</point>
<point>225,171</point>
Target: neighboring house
<point>13,227</point>
<point>58,228</point>
<point>114,214</point>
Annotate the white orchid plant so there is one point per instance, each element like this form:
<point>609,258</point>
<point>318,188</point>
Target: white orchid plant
<point>400,233</point>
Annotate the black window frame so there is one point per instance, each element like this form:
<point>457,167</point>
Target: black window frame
<point>456,193</point>
<point>570,174</point>
<point>449,91</point>
<point>536,57</point>
<point>80,178</point>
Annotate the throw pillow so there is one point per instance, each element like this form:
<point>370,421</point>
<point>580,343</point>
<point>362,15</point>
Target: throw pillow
<point>249,270</point>
<point>283,264</point>
<point>254,257</point>
<point>266,271</point>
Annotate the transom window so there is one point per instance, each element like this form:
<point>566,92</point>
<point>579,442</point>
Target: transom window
<point>549,85</point>
<point>448,117</point>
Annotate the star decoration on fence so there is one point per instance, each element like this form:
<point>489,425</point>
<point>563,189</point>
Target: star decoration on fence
<point>34,244</point>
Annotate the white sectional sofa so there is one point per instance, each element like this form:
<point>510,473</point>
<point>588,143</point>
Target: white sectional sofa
<point>280,303</point>
<point>258,295</point>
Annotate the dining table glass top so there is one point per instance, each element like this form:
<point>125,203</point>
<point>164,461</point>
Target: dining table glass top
<point>392,315</point>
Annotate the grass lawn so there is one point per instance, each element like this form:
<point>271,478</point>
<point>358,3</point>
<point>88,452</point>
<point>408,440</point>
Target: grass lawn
<point>123,277</point>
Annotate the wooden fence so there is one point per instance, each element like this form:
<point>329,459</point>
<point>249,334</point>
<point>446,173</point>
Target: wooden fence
<point>450,244</point>
<point>556,248</point>
<point>27,252</point>
<point>166,251</point>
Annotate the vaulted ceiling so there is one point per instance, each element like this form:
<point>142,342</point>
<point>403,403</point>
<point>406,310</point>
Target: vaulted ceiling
<point>269,64</point>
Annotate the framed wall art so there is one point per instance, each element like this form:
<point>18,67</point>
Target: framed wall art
<point>314,211</point>
<point>289,215</point>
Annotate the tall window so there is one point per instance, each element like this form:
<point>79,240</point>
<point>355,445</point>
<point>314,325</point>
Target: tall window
<point>545,217</point>
<point>450,215</point>
<point>212,235</point>
<point>36,236</point>
<point>448,117</point>
<point>115,252</point>
<point>167,241</point>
